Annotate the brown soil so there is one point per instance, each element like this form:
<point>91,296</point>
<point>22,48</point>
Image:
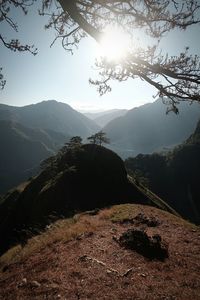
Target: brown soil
<point>93,265</point>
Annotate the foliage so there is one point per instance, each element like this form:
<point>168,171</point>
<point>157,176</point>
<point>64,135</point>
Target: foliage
<point>71,148</point>
<point>73,145</point>
<point>2,80</point>
<point>75,141</point>
<point>99,138</point>
<point>13,44</point>
<point>176,77</point>
<point>5,10</point>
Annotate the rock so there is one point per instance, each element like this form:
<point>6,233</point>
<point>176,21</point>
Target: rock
<point>150,247</point>
<point>149,221</point>
<point>35,284</point>
<point>23,282</point>
<point>142,275</point>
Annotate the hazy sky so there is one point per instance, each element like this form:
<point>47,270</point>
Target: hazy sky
<point>56,74</point>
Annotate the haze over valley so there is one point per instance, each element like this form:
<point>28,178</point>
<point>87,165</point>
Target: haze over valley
<point>42,129</point>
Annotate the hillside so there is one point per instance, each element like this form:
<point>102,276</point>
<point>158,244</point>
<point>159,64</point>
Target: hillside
<point>77,179</point>
<point>103,118</point>
<point>53,115</point>
<point>86,257</point>
<point>32,133</point>
<point>68,185</point>
<point>22,149</point>
<point>148,128</point>
<point>174,176</point>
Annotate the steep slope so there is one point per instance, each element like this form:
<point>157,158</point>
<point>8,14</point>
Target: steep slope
<point>82,258</point>
<point>86,177</point>
<point>51,115</point>
<point>22,149</point>
<point>103,118</point>
<point>174,176</point>
<point>147,128</point>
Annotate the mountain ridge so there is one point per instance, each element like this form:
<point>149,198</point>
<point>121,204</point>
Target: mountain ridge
<point>173,175</point>
<point>41,129</point>
<point>103,118</point>
<point>69,183</point>
<point>147,128</point>
<point>21,151</point>
<point>52,115</point>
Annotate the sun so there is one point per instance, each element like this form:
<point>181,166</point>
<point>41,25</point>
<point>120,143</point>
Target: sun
<point>114,44</point>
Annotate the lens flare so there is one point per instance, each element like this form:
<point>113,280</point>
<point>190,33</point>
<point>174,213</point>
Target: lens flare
<point>115,44</point>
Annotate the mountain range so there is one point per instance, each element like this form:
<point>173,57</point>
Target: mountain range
<point>53,115</point>
<point>81,177</point>
<point>174,176</point>
<point>22,149</point>
<point>64,221</point>
<point>104,117</point>
<point>148,128</point>
<point>32,133</point>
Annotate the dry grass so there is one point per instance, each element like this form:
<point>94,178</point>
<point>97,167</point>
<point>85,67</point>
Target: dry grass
<point>119,213</point>
<point>62,230</point>
<point>11,256</point>
<point>65,261</point>
<point>67,229</point>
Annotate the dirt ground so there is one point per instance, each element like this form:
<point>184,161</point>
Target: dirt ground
<point>93,265</point>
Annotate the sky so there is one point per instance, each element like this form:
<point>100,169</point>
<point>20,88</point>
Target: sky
<point>56,74</point>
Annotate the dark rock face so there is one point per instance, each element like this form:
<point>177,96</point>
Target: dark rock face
<point>150,247</point>
<point>92,177</point>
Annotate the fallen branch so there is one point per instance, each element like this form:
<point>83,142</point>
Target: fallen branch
<point>108,269</point>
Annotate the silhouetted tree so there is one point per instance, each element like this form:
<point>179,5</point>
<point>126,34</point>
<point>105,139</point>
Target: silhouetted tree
<point>177,77</point>
<point>6,7</point>
<point>99,138</point>
<point>75,141</point>
<point>92,139</point>
<point>2,80</point>
<point>72,146</point>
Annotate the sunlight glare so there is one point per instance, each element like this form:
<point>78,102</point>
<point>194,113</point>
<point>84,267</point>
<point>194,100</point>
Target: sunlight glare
<point>114,44</point>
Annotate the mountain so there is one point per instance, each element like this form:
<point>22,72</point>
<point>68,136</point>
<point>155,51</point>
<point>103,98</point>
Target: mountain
<point>51,115</point>
<point>22,149</point>
<point>103,118</point>
<point>63,223</point>
<point>83,177</point>
<point>148,128</point>
<point>31,133</point>
<point>174,176</point>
